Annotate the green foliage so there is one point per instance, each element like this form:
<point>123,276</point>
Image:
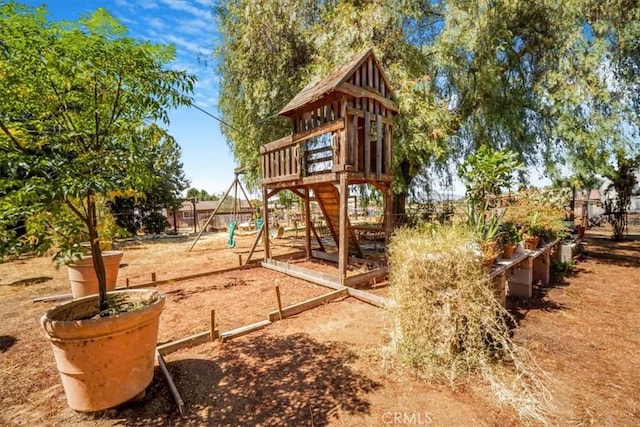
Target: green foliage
<point>623,181</point>
<point>80,102</point>
<point>511,234</point>
<point>484,222</point>
<point>486,172</point>
<point>154,222</point>
<point>200,195</point>
<point>286,198</point>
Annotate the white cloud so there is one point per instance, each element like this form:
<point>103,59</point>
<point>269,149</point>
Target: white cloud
<point>154,22</point>
<point>188,44</point>
<point>185,6</point>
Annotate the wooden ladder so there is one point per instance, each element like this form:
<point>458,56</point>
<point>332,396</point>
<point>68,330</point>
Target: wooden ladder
<point>328,199</point>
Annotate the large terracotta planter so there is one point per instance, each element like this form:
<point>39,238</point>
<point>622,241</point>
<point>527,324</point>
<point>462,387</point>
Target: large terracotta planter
<point>106,361</point>
<point>83,278</point>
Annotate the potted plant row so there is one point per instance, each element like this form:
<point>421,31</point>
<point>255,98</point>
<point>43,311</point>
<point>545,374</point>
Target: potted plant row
<point>81,102</point>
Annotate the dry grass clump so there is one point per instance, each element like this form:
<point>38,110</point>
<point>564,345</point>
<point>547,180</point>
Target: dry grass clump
<point>448,322</point>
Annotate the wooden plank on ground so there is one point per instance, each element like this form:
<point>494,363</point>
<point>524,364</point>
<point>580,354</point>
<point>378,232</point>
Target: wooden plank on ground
<point>363,278</point>
<point>189,341</point>
<point>234,333</point>
<point>308,304</point>
<point>53,298</point>
<point>367,297</point>
<point>170,383</point>
<point>304,274</point>
<point>159,282</point>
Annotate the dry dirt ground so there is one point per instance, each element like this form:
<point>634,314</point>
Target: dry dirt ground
<point>324,366</point>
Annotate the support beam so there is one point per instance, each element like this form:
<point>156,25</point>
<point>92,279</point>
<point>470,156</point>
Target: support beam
<point>343,234</point>
<point>255,243</point>
<point>265,222</point>
<point>307,223</point>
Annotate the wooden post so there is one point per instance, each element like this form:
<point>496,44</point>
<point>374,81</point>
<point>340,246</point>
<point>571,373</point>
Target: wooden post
<point>212,332</point>
<point>153,277</point>
<point>379,147</point>
<point>307,223</point>
<point>367,144</point>
<point>353,138</point>
<point>239,259</point>
<point>279,301</point>
<point>265,223</point>
<point>388,218</point>
<point>343,238</point>
<point>127,283</point>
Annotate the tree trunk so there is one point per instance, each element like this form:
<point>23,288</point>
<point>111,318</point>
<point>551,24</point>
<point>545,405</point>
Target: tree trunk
<point>175,221</point>
<point>96,251</point>
<point>400,198</point>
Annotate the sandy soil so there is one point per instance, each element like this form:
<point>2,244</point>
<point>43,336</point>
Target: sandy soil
<point>324,366</point>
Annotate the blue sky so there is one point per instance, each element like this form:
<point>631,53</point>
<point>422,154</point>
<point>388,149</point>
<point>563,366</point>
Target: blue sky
<point>188,25</point>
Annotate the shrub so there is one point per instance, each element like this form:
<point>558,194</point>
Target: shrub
<point>447,321</point>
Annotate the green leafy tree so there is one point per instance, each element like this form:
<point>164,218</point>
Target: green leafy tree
<point>163,191</point>
<point>201,195</point>
<point>623,182</point>
<point>556,85</point>
<point>78,102</point>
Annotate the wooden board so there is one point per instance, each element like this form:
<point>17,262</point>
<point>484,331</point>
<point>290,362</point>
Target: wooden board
<point>308,304</point>
<point>226,336</point>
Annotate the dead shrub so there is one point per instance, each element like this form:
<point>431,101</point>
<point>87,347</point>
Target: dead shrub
<point>448,323</point>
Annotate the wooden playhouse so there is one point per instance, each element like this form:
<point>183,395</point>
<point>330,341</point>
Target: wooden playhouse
<point>341,135</point>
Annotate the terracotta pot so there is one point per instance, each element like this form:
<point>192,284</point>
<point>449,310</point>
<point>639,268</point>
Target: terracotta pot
<point>489,253</point>
<point>83,278</point>
<point>106,361</point>
<point>531,242</point>
<point>508,250</point>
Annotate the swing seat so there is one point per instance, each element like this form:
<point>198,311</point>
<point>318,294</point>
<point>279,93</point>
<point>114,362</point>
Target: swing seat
<point>231,243</point>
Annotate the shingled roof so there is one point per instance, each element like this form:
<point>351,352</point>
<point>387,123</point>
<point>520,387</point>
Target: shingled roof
<point>321,87</point>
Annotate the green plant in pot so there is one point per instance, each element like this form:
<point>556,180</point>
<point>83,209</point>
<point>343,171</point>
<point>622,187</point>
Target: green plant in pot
<point>510,239</point>
<point>80,108</point>
<point>486,224</point>
<point>533,233</point>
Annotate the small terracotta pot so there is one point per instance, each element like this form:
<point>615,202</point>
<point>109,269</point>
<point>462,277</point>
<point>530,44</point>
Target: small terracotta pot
<point>508,251</point>
<point>531,242</point>
<point>106,361</point>
<point>83,278</point>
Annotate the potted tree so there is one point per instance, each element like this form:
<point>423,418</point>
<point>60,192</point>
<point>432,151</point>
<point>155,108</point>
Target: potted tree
<point>80,108</point>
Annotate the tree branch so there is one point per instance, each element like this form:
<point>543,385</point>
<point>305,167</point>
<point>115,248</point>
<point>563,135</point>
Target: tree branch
<point>11,137</point>
<point>75,210</point>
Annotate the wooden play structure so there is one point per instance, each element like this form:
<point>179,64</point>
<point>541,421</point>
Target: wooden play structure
<point>341,135</point>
